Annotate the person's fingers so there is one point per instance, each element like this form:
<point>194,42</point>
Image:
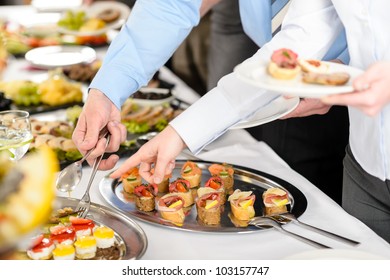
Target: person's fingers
<point>134,160</point>
<point>145,171</point>
<point>109,163</point>
<point>162,165</point>
<point>364,81</point>
<point>79,134</point>
<point>170,167</point>
<point>116,136</point>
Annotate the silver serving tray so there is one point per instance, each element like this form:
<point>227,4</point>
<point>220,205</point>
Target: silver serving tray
<point>244,179</point>
<point>129,235</point>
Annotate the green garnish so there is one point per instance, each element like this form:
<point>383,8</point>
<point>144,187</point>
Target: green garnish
<point>223,173</point>
<point>286,54</point>
<point>187,170</point>
<point>131,179</point>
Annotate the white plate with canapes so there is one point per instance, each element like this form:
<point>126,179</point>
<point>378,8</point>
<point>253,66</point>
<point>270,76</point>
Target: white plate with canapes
<point>273,111</point>
<point>255,73</point>
<point>114,14</point>
<point>60,56</point>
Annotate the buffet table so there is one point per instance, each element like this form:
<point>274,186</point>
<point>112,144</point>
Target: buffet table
<point>238,148</point>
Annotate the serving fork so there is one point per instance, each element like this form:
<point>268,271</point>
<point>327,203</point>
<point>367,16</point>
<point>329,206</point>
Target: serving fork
<point>286,218</point>
<point>84,204</point>
<point>265,221</point>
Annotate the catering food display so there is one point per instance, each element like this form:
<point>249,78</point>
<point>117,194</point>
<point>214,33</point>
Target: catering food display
<point>208,212</point>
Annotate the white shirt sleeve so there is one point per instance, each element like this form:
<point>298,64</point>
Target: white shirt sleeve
<point>309,29</point>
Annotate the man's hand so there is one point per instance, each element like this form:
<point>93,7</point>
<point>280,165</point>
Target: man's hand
<point>97,113</point>
<point>161,151</point>
<point>308,107</point>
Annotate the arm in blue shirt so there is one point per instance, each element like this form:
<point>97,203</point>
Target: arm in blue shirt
<point>151,34</point>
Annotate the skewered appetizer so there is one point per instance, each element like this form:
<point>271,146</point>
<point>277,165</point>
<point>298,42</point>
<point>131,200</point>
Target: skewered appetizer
<point>275,201</point>
<point>85,247</point>
<point>170,207</point>
<point>182,188</point>
<point>241,204</point>
<point>163,187</point>
<point>144,197</point>
<point>217,184</point>
<point>284,64</point>
<point>192,173</point>
<point>208,205</point>
<point>225,172</point>
<point>130,180</point>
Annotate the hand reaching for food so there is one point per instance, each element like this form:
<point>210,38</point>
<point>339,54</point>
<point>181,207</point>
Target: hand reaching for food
<point>160,151</point>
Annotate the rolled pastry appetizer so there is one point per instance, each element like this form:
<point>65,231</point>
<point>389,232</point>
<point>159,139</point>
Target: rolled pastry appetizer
<point>130,180</point>
<point>182,188</point>
<point>170,207</point>
<point>226,173</point>
<point>217,184</point>
<point>241,204</point>
<point>275,201</point>
<point>284,64</point>
<point>208,205</point>
<point>192,173</point>
<point>145,197</point>
<point>313,66</point>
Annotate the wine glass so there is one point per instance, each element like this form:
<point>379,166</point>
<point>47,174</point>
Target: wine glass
<point>15,133</point>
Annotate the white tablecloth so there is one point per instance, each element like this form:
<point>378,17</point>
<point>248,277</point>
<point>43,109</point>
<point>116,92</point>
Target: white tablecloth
<point>239,148</point>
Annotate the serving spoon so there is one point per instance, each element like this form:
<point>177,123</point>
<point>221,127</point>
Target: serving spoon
<point>70,176</point>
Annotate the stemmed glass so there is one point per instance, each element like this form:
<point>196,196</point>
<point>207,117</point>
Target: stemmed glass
<point>15,133</point>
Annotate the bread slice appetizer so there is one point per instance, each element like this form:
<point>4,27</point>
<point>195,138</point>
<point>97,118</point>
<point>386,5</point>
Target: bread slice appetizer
<point>217,184</point>
<point>331,79</point>
<point>284,64</point>
<point>192,173</point>
<point>208,205</point>
<point>241,204</point>
<point>163,187</point>
<point>226,173</point>
<point>145,197</point>
<point>313,66</point>
<point>182,188</point>
<point>275,201</point>
<point>130,180</point>
<point>170,207</point>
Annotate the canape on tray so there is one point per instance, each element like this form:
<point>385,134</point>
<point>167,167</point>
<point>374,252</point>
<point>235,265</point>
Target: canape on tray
<point>226,173</point>
<point>182,188</point>
<point>163,187</point>
<point>130,180</point>
<point>192,173</point>
<point>217,184</point>
<point>275,201</point>
<point>208,205</point>
<point>145,197</point>
<point>170,207</point>
<point>241,204</point>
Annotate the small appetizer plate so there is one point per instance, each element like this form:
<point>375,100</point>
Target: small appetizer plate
<point>60,56</point>
<point>256,74</point>
<point>275,110</point>
<point>93,10</point>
